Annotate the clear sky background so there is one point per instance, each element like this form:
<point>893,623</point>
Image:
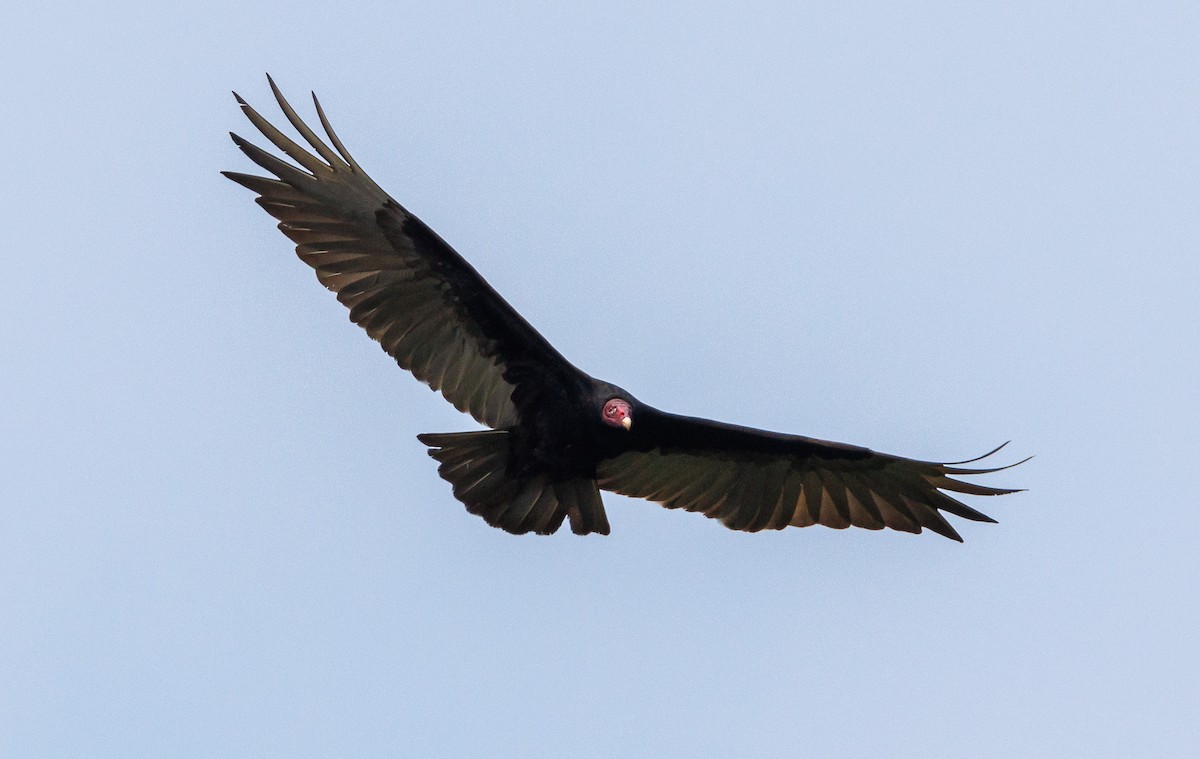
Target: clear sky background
<point>924,230</point>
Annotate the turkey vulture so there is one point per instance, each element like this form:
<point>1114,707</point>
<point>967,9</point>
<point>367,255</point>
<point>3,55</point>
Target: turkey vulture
<point>557,435</point>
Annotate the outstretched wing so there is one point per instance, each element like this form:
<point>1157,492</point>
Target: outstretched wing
<point>411,292</point>
<point>753,480</point>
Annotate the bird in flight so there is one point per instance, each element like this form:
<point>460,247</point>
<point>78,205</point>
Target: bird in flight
<point>559,436</point>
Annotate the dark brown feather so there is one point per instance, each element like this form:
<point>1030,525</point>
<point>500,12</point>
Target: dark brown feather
<point>438,318</point>
<point>426,306</point>
<point>750,480</point>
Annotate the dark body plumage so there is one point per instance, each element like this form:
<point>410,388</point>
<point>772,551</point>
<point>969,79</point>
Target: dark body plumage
<point>551,447</point>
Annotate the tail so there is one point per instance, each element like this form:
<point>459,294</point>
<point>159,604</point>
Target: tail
<point>476,464</point>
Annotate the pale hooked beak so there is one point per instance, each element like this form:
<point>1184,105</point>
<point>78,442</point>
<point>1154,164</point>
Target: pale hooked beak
<point>627,422</point>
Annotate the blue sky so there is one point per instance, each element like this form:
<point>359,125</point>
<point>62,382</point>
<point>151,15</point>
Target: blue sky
<point>926,230</point>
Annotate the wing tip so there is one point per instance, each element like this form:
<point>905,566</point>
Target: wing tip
<point>955,467</point>
<point>980,458</point>
<point>238,178</point>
